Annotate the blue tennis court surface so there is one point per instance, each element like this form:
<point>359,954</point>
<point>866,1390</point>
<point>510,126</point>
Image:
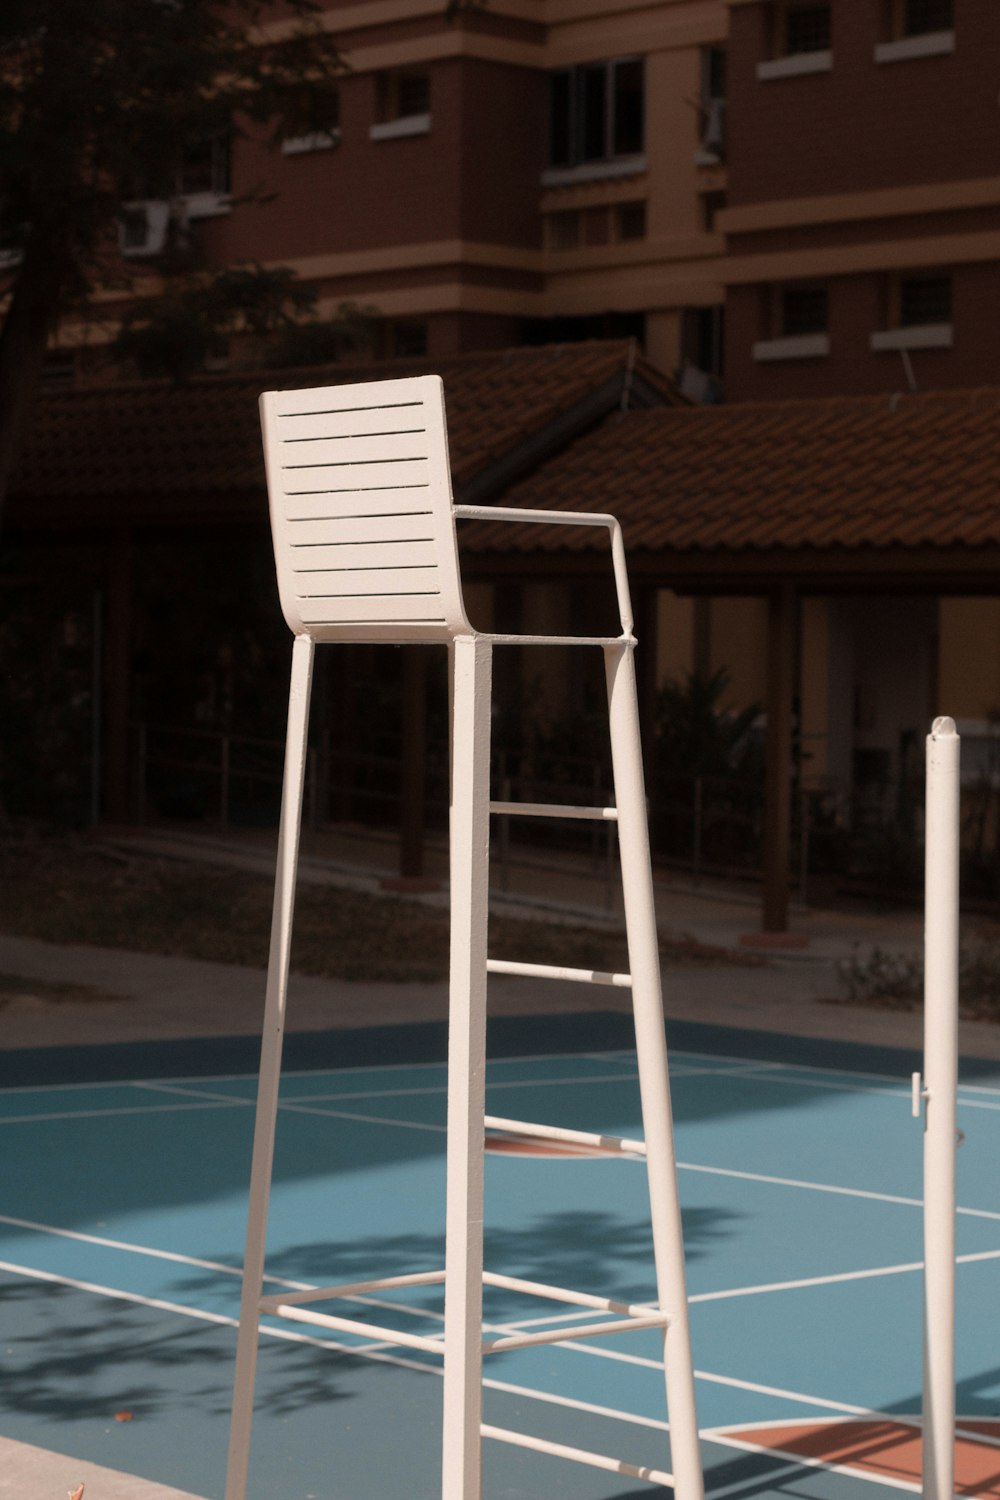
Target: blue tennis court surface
<point>122,1220</point>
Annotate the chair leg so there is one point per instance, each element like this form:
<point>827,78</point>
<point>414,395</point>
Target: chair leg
<point>270,1065</point>
<point>654,1084</point>
<point>461,1459</point>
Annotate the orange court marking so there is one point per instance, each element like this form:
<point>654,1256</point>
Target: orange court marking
<point>528,1145</point>
<point>883,1447</point>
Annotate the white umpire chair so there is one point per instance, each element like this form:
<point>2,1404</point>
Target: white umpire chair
<point>364,535</point>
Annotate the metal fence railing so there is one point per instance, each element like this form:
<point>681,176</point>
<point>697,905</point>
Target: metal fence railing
<point>707,826</point>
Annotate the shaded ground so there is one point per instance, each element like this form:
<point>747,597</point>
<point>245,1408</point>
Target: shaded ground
<point>73,890</point>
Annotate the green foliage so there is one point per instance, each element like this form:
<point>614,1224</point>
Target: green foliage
<point>895,981</point>
<point>174,335</point>
<point>319,341</point>
<point>892,980</point>
<point>707,781</point>
<point>696,735</point>
<point>99,99</point>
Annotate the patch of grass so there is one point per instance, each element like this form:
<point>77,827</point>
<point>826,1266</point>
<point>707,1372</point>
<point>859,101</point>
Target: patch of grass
<point>71,890</point>
<point>895,981</point>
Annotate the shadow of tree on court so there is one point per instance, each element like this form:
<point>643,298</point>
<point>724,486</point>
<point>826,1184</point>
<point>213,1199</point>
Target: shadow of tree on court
<point>75,1367</point>
<point>582,1250</point>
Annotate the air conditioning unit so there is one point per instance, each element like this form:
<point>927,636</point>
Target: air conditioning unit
<point>713,140</point>
<point>142,227</point>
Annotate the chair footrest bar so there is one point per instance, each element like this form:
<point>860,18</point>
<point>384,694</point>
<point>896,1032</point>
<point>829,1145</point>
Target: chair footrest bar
<point>576,1331</point>
<point>555,810</point>
<point>374,1331</point>
<point>562,1133</point>
<point>558,971</point>
<point>349,1289</point>
<point>563,1294</point>
<point>578,1455</point>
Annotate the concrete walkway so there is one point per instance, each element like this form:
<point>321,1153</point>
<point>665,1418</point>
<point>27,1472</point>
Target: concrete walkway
<point>154,998</point>
<point>30,1473</point>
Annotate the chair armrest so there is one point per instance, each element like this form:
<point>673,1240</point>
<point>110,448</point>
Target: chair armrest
<point>567,518</point>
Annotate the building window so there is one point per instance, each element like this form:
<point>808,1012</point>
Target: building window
<point>916,28</point>
<point>402,104</point>
<point>797,318</point>
<point>919,17</point>
<point>205,168</point>
<point>800,40</point>
<point>408,340</point>
<point>702,339</point>
<point>712,108</point>
<point>918,313</point>
<point>630,221</point>
<point>802,28</point>
<point>924,299</point>
<point>596,113</point>
<point>564,229</point>
<point>323,138</point>
<point>711,205</point>
<point>801,310</point>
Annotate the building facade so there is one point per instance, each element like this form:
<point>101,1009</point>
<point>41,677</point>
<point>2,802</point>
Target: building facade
<point>863,215</point>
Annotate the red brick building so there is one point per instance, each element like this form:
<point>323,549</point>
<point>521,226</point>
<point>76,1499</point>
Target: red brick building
<point>863,218</point>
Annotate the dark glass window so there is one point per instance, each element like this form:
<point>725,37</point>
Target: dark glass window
<point>702,338</point>
<point>713,73</point>
<point>806,29</point>
<point>564,229</point>
<point>409,340</point>
<point>923,16</point>
<point>924,299</point>
<point>561,118</point>
<point>596,112</point>
<point>205,166</point>
<point>803,310</point>
<point>627,128</point>
<point>402,95</point>
<point>591,113</point>
<point>631,221</point>
<point>711,205</point>
<point>413,95</point>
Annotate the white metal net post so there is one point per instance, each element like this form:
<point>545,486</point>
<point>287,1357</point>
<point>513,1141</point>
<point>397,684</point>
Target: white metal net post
<point>940,1086</point>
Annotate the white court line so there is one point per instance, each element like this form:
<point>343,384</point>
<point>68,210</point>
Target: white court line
<point>102,1114</point>
<point>193,1092</point>
<point>347,1114</point>
<point>825,1187</point>
<point>808,1281</point>
<point>612,1055</point>
<point>901,1091</point>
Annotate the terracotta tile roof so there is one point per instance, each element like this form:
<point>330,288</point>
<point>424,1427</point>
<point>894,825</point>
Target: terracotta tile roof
<point>878,472</point>
<point>143,441</point>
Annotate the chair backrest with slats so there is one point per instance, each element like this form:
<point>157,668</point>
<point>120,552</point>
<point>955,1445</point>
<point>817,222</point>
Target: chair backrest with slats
<point>361,511</point>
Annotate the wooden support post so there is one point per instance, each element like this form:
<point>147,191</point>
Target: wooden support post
<point>115,768</point>
<point>782,618</point>
<point>414,762</point>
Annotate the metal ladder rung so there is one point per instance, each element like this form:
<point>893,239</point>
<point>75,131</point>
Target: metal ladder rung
<point>576,1331</point>
<point>349,1289</point>
<point>578,1455</point>
<point>554,810</point>
<point>571,1137</point>
<point>366,1330</point>
<point>557,971</point>
<point>632,1317</point>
